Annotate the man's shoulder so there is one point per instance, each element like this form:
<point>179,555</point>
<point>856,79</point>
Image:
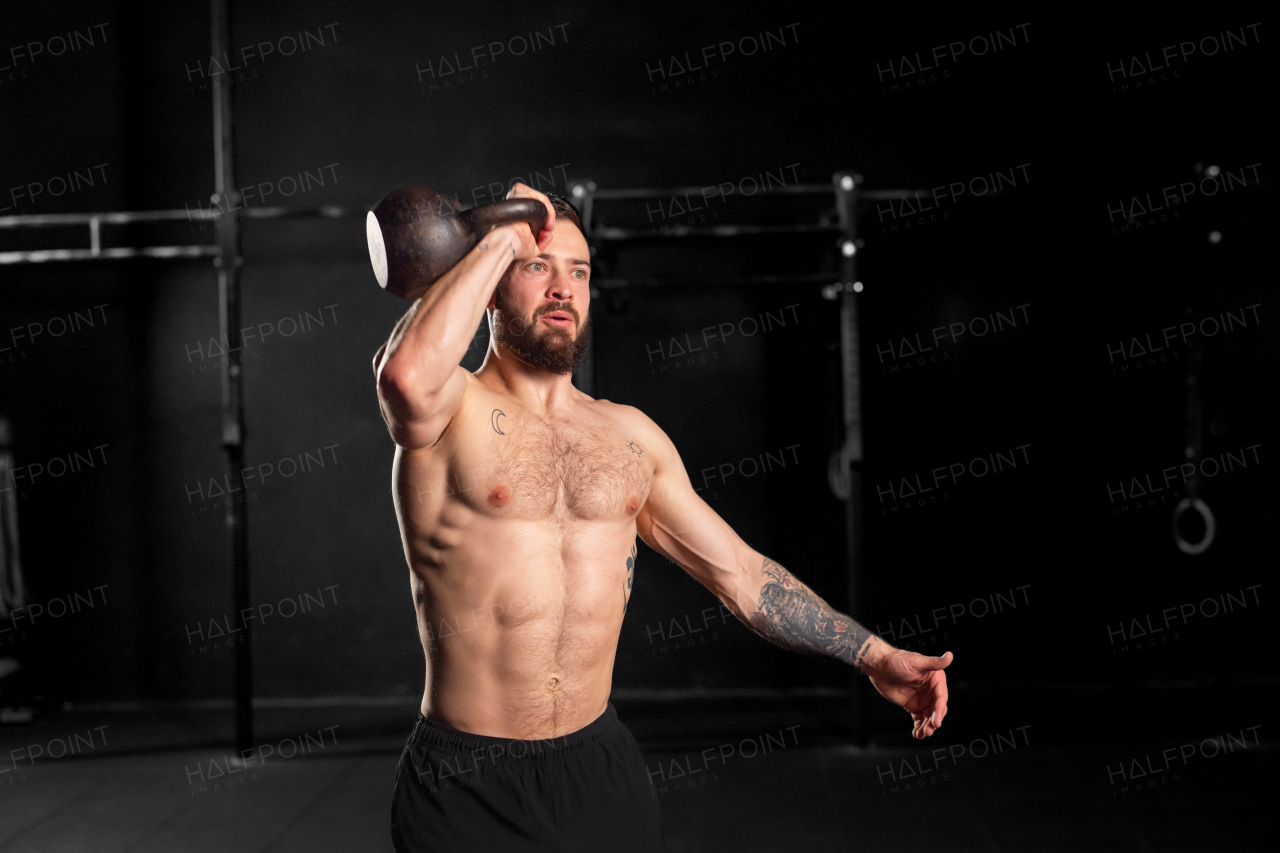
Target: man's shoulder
<point>476,389</point>
<point>622,414</point>
<point>636,426</point>
<point>475,396</point>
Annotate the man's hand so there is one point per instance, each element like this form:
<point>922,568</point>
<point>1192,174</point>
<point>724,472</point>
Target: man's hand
<point>543,238</point>
<point>917,683</point>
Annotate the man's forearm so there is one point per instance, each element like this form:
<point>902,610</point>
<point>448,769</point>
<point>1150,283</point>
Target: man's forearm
<point>791,615</point>
<point>433,336</point>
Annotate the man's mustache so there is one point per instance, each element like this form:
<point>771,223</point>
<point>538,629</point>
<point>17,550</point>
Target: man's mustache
<point>562,307</point>
<point>517,325</point>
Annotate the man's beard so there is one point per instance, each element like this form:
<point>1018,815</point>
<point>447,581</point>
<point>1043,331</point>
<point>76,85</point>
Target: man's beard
<point>547,348</point>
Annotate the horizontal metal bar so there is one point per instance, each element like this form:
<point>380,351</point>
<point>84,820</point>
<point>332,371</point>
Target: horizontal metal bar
<point>878,195</point>
<point>612,233</point>
<point>331,211</point>
<point>40,256</point>
<point>794,189</point>
<point>713,280</point>
<point>125,217</point>
<point>655,192</point>
<point>120,217</point>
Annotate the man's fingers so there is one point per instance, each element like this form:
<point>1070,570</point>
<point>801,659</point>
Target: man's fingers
<point>940,700</point>
<point>543,237</point>
<point>929,664</point>
<point>522,242</point>
<point>938,707</point>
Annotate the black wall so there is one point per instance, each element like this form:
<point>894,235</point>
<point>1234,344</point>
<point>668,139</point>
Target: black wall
<point>359,112</point>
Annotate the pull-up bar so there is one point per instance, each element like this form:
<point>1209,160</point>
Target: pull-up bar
<point>95,221</point>
<point>845,464</point>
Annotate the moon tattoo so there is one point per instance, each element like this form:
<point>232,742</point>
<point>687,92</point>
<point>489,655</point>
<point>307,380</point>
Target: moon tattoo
<point>493,420</point>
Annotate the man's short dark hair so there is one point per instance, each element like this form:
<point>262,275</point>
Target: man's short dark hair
<point>565,210</point>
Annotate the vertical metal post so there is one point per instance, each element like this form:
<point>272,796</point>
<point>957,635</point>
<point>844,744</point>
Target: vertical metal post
<point>1193,450</point>
<point>582,194</point>
<point>1193,416</point>
<point>228,263</point>
<point>851,380</point>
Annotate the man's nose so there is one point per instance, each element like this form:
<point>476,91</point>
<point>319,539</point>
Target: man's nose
<point>561,289</point>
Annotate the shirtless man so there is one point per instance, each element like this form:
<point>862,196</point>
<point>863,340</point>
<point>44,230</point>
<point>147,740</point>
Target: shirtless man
<point>519,500</point>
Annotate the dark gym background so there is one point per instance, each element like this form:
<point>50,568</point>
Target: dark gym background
<point>138,390</point>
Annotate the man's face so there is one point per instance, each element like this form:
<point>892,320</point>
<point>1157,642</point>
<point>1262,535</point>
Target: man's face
<point>540,306</point>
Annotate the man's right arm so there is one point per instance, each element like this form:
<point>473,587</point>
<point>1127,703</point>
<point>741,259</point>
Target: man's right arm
<point>420,380</point>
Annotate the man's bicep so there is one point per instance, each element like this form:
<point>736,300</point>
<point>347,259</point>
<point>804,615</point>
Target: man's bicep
<point>677,523</point>
<point>417,420</point>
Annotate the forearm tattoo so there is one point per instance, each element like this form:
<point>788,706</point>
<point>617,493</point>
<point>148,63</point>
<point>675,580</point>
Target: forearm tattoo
<point>791,615</point>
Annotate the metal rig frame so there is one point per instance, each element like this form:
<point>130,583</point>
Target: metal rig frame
<point>845,471</point>
<point>228,262</point>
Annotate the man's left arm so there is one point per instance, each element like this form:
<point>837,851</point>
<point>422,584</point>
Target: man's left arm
<point>768,598</point>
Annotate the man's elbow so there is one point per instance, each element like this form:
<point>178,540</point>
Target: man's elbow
<point>741,582</point>
<point>729,578</point>
<point>377,358</point>
<point>398,384</point>
<point>396,400</point>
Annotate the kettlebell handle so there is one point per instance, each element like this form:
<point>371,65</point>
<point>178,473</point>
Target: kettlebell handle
<point>416,235</point>
<point>529,210</point>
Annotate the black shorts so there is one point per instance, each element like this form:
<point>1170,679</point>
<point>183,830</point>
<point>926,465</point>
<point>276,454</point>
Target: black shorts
<point>586,791</point>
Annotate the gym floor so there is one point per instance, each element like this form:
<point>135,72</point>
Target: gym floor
<point>776,776</point>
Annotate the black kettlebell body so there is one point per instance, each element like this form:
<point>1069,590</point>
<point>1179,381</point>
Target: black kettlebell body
<point>416,235</point>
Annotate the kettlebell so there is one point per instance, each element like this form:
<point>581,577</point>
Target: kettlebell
<point>416,235</point>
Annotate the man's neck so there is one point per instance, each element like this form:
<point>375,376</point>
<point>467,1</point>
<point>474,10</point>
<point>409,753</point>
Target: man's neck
<point>506,372</point>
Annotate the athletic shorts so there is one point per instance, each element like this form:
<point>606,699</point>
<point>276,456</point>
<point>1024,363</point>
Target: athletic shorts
<point>586,791</point>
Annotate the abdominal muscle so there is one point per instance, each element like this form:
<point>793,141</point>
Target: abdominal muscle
<point>519,617</point>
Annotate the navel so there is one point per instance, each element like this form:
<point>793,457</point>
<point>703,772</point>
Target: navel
<point>633,505</point>
<point>499,496</point>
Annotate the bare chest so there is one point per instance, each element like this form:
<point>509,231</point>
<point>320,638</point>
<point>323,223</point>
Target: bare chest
<point>520,465</point>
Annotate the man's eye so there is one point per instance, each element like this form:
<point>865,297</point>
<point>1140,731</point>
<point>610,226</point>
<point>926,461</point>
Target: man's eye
<point>536,264</point>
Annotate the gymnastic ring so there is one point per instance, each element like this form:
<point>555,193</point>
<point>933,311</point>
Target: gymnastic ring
<point>1209,527</point>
